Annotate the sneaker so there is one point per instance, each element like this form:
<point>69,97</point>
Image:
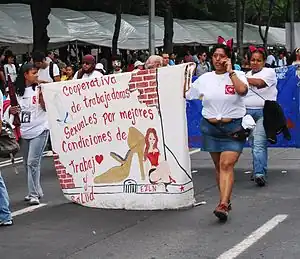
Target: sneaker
<point>28,198</point>
<point>34,201</point>
<point>260,180</point>
<point>48,153</point>
<point>221,212</point>
<point>6,223</point>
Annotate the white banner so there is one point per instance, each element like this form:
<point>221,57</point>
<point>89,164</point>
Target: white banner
<point>121,140</point>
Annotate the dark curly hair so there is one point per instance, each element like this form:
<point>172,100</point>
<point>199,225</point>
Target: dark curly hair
<point>226,49</point>
<point>20,81</point>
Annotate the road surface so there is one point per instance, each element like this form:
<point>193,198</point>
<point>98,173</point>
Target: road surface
<point>264,222</point>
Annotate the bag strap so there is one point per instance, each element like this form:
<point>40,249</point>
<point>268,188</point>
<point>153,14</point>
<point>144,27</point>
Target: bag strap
<point>51,73</point>
<point>250,88</point>
<point>12,159</point>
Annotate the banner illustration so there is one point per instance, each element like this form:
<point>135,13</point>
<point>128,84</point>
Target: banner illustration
<point>121,141</point>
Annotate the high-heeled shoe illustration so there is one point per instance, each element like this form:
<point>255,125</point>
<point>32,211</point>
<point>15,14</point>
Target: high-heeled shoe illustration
<point>136,143</point>
<point>172,180</point>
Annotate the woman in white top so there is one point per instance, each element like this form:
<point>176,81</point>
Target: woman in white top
<point>9,67</point>
<point>34,128</point>
<point>296,57</point>
<point>222,94</point>
<point>263,82</point>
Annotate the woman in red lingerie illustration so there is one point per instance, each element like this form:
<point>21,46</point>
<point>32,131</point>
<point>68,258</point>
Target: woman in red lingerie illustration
<point>159,171</point>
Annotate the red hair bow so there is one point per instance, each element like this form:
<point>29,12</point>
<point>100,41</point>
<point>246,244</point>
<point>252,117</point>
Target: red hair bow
<point>228,43</point>
<point>253,48</point>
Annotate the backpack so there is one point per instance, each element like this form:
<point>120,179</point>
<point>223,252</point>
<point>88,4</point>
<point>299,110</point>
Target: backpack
<point>9,146</point>
<point>207,65</point>
<point>51,71</point>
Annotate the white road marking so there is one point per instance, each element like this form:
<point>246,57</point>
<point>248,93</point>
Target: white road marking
<point>8,161</point>
<point>19,160</point>
<point>28,209</point>
<point>195,151</point>
<point>253,237</point>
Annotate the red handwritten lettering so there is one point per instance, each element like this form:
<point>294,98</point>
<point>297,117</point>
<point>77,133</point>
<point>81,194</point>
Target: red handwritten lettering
<point>108,117</point>
<point>105,98</point>
<point>133,114</point>
<point>121,135</point>
<point>75,107</point>
<point>84,197</point>
<point>86,142</point>
<point>85,122</point>
<point>78,89</point>
<point>83,166</point>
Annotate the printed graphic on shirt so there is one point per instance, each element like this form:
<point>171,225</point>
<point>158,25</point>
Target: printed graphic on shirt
<point>229,89</point>
<point>25,117</point>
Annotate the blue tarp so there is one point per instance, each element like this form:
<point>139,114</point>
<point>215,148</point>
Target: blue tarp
<point>288,97</point>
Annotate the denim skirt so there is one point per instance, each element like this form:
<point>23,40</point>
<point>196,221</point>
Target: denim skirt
<point>215,136</point>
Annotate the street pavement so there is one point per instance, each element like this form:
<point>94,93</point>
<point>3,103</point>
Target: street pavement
<point>64,230</point>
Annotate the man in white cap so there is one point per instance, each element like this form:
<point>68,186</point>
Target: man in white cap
<point>138,65</point>
<point>99,67</point>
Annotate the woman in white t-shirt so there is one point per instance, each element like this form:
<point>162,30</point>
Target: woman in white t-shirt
<point>296,57</point>
<point>263,82</point>
<point>10,68</point>
<point>222,94</point>
<point>34,128</point>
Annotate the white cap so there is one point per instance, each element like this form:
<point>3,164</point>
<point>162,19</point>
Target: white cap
<point>138,63</point>
<point>100,66</point>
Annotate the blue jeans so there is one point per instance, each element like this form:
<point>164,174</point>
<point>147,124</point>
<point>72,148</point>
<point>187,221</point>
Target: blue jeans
<point>259,143</point>
<point>33,151</point>
<point>5,214</point>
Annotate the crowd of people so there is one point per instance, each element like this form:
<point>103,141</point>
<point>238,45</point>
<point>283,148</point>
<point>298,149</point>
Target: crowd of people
<point>233,95</point>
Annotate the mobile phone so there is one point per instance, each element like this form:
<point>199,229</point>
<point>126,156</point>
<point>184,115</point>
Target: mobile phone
<point>224,63</point>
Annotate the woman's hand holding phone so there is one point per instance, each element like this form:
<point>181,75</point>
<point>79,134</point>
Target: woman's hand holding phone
<point>228,65</point>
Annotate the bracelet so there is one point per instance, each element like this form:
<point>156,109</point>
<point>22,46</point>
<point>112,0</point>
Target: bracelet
<point>232,74</point>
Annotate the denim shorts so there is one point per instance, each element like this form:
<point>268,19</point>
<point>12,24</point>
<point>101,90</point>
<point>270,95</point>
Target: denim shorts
<point>215,137</point>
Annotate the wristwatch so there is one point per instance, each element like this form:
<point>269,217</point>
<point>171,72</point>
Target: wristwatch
<point>232,74</point>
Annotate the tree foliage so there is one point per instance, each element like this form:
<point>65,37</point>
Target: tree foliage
<point>260,12</point>
<point>220,10</point>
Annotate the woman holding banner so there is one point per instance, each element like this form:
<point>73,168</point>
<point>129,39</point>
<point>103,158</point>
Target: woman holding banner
<point>34,128</point>
<point>222,93</point>
<point>263,82</point>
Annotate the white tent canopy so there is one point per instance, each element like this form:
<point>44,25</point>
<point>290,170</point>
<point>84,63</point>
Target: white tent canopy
<point>97,28</point>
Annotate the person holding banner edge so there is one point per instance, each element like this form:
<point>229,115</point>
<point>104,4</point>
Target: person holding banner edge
<point>34,128</point>
<point>222,94</point>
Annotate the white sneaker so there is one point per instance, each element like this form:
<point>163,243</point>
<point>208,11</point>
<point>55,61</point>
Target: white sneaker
<point>34,201</point>
<point>48,153</point>
<point>27,198</point>
<point>6,223</point>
